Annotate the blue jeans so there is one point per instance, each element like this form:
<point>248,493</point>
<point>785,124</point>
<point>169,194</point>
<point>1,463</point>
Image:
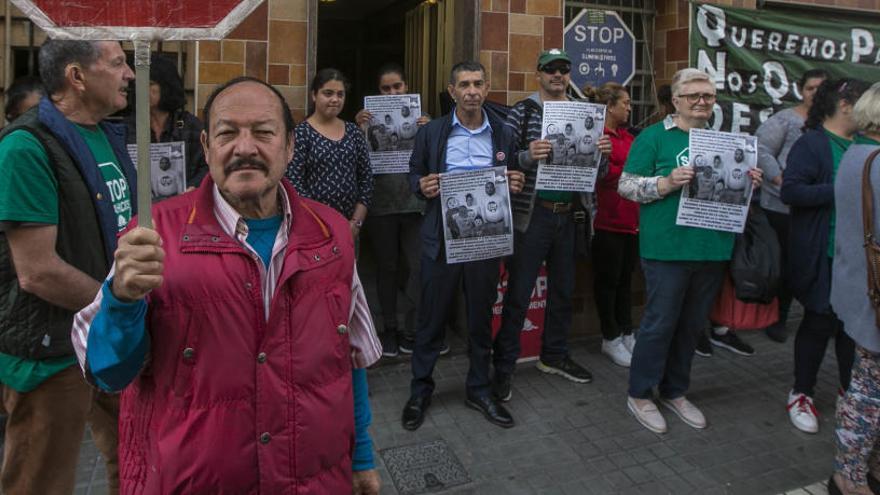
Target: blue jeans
<point>550,237</point>
<point>680,295</point>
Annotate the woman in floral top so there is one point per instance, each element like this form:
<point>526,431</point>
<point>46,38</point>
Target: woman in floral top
<point>330,159</point>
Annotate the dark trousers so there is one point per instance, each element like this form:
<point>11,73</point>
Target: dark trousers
<point>680,296</point>
<point>812,338</point>
<point>614,258</point>
<point>395,238</point>
<point>439,286</point>
<point>780,224</point>
<point>550,238</point>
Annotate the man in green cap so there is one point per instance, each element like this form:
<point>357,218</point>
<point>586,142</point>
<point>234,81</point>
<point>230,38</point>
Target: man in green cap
<point>544,224</point>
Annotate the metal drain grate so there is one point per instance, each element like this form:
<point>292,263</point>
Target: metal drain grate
<point>424,468</point>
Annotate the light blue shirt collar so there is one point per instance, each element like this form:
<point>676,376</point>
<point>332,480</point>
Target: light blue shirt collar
<point>456,122</point>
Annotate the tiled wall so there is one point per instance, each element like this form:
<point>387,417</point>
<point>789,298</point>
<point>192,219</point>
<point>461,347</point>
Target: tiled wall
<point>671,28</point>
<point>271,44</point>
<point>512,34</point>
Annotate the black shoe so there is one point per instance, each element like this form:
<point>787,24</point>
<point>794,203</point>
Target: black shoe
<point>732,343</point>
<point>501,386</point>
<point>567,369</point>
<point>406,346</point>
<point>777,332</point>
<point>833,489</point>
<point>388,338</point>
<point>491,409</point>
<point>873,483</point>
<point>414,412</point>
<point>704,348</point>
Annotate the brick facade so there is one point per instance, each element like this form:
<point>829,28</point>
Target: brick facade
<point>512,34</point>
<point>271,44</point>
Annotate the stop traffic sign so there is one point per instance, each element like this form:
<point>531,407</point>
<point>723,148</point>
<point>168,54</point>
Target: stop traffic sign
<point>602,49</point>
<point>137,20</point>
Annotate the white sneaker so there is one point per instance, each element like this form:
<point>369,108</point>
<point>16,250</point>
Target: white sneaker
<point>647,414</point>
<point>629,341</point>
<point>616,350</point>
<point>802,412</point>
<point>687,411</point>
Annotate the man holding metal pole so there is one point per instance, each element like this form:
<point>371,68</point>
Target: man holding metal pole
<point>68,188</point>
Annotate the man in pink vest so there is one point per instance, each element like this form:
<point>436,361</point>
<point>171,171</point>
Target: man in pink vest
<point>237,329</point>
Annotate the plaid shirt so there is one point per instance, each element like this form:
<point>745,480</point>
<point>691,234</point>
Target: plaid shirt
<point>366,348</point>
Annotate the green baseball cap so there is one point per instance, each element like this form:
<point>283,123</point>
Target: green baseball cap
<point>551,55</point>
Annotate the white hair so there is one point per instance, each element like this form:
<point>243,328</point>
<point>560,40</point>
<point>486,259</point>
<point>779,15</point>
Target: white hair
<point>688,75</point>
<point>867,110</point>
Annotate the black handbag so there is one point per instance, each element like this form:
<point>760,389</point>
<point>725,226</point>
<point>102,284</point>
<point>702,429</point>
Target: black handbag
<point>755,265</point>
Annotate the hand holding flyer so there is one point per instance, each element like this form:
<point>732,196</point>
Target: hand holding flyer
<point>477,220</point>
<point>392,125</point>
<point>570,157</point>
<point>718,193</point>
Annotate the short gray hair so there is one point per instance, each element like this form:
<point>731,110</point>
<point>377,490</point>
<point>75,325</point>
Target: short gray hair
<point>867,110</point>
<point>467,66</point>
<point>688,75</point>
<point>56,55</point>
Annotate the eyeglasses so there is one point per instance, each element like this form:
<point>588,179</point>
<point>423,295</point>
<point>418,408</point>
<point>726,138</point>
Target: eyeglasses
<point>553,69</point>
<point>695,97</point>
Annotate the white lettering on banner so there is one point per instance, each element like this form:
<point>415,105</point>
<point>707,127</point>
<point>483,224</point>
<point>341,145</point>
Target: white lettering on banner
<point>740,117</point>
<point>712,25</point>
<point>714,33</point>
<point>774,71</point>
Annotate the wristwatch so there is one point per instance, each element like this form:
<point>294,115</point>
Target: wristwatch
<point>357,223</point>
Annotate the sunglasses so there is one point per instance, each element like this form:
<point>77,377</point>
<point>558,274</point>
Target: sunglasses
<point>553,69</point>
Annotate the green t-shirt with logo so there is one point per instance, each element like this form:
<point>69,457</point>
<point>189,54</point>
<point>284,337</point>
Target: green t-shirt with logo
<point>839,145</point>
<point>29,195</point>
<point>655,152</point>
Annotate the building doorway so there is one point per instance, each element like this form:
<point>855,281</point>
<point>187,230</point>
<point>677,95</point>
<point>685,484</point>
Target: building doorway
<point>358,36</point>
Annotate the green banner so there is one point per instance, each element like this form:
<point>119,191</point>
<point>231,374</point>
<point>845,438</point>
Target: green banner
<point>756,57</point>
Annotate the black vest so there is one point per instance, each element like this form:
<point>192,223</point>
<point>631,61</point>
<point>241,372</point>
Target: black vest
<point>29,326</point>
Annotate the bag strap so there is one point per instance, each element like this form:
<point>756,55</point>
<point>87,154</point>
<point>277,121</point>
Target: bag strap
<point>871,252</point>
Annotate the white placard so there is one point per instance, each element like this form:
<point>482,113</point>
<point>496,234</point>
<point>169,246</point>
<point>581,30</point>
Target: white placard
<point>392,131</point>
<point>477,222</point>
<point>167,168</point>
<point>573,129</point>
<point>718,196</point>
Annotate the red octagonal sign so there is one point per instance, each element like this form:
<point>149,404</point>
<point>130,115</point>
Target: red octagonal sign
<point>137,20</point>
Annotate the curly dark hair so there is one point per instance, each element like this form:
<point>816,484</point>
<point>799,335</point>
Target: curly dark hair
<point>829,94</point>
<point>164,73</point>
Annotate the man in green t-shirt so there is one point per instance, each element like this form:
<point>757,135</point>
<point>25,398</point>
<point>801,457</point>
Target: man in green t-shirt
<point>68,189</point>
<point>683,266</point>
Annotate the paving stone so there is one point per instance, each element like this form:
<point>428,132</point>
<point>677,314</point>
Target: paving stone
<point>580,439</point>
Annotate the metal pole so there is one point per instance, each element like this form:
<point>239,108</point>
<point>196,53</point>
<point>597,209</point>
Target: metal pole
<point>142,119</point>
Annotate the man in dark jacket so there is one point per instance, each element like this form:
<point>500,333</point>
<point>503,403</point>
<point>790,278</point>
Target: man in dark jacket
<point>68,188</point>
<point>545,231</point>
<point>465,139</point>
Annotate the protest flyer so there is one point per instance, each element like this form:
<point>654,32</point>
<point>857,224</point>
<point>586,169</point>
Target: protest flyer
<point>392,131</point>
<point>167,168</point>
<point>477,220</point>
<point>718,196</point>
<point>573,129</point>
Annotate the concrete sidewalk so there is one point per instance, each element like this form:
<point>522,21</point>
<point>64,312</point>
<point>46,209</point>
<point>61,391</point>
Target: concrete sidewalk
<point>580,439</point>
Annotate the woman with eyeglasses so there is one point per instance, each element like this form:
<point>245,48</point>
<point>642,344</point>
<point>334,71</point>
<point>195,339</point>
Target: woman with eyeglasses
<point>808,189</point>
<point>683,266</point>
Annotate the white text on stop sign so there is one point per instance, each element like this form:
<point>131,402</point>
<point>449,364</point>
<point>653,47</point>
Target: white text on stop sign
<point>605,36</point>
